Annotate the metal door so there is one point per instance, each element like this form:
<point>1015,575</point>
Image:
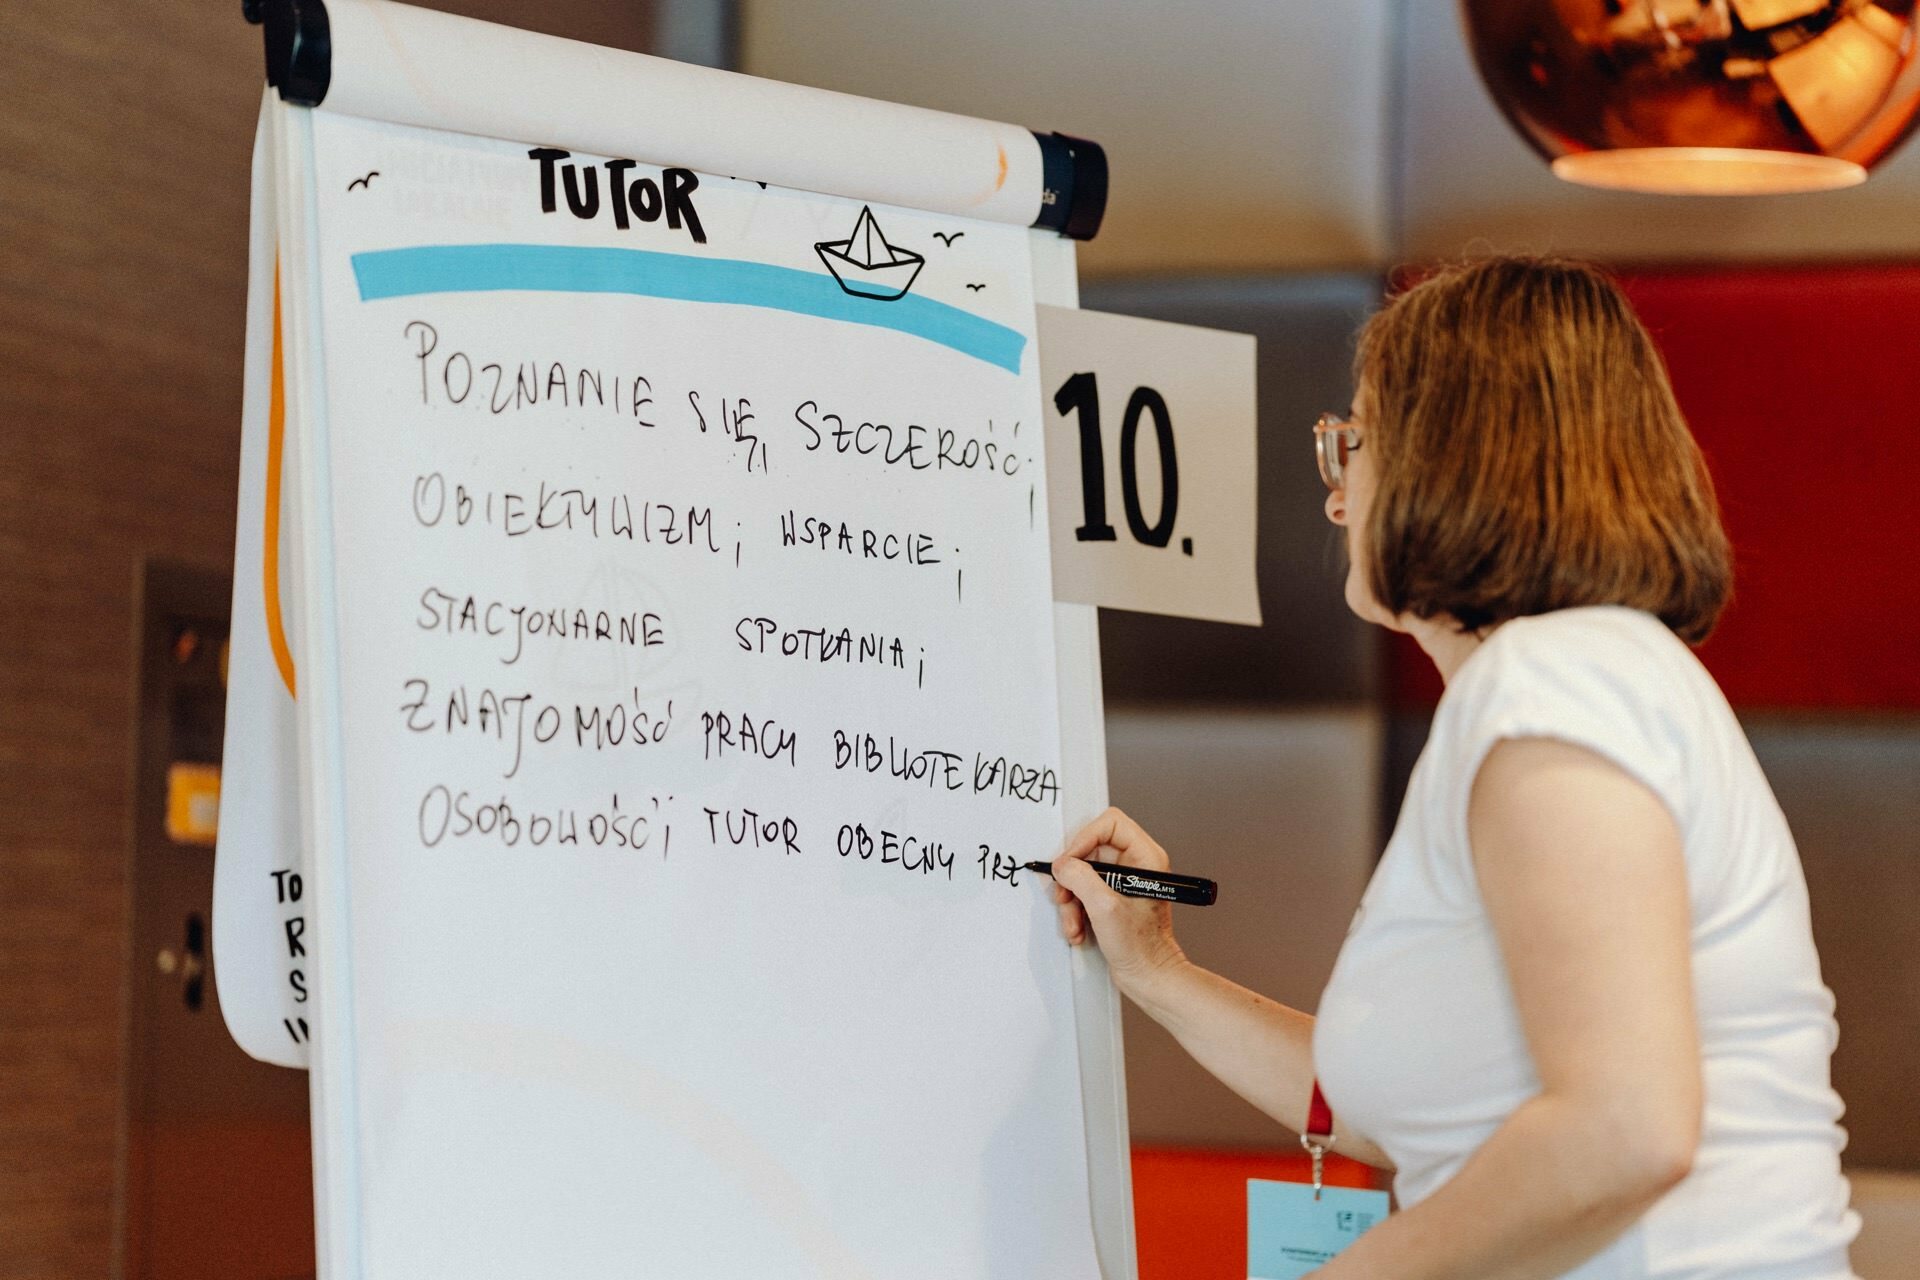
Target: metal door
<point>217,1180</point>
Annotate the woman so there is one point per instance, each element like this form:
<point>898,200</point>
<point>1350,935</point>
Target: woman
<point>1579,1012</point>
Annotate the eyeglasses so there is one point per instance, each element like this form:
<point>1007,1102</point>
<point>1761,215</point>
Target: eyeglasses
<point>1334,439</point>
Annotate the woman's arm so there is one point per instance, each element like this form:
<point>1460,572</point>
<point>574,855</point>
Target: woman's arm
<point>1261,1050</point>
<point>1581,871</point>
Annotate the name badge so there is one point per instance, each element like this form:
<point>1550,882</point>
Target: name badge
<point>1290,1233</point>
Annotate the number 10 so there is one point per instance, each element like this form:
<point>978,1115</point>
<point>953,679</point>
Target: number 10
<point>1080,394</point>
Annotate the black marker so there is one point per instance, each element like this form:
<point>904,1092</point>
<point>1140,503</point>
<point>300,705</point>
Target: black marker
<point>1133,882</point>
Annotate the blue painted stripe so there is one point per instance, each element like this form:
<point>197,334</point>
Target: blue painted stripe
<point>552,268</point>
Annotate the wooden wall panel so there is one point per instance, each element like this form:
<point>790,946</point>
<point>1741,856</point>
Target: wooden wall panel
<point>124,150</point>
<point>122,266</point>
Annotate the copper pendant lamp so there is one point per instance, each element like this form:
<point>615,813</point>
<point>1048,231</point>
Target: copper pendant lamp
<point>1703,97</point>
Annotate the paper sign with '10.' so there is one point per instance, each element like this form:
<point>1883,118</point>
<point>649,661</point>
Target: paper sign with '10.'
<point>1150,464</point>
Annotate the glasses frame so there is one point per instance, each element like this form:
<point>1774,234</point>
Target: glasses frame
<point>1335,439</point>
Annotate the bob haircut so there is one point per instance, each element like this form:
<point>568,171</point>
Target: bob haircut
<point>1530,455</point>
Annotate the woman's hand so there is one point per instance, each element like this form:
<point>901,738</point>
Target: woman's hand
<point>1261,1050</point>
<point>1135,935</point>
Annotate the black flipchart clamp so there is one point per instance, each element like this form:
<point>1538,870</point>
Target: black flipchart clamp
<point>299,47</point>
<point>1073,185</point>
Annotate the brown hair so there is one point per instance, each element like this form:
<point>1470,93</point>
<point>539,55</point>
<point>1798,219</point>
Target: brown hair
<point>1530,455</point>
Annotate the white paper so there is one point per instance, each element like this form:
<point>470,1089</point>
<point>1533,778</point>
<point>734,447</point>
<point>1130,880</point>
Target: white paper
<point>1155,538</point>
<point>659,1048</point>
<point>260,915</point>
<point>410,65</point>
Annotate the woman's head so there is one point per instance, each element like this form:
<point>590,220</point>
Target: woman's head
<point>1523,453</point>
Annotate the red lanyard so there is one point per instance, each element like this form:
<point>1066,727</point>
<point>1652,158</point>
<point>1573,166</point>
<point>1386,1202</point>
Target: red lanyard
<point>1317,1137</point>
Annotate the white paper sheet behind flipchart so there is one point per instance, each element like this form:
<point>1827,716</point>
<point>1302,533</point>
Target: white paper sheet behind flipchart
<point>260,909</point>
<point>685,1059</point>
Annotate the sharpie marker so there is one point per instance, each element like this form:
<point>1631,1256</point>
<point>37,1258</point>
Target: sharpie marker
<point>1134,882</point>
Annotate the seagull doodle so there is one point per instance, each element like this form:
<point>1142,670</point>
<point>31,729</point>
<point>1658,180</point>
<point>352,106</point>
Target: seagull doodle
<point>976,287</point>
<point>362,182</point>
<point>948,237</point>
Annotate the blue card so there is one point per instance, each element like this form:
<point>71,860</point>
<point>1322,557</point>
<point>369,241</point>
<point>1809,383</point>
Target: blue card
<point>1289,1233</point>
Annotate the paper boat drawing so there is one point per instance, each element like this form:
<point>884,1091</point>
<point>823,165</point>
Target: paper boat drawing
<point>866,265</point>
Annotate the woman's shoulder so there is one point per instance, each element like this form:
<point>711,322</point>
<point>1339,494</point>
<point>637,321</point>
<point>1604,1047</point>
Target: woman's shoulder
<point>1613,680</point>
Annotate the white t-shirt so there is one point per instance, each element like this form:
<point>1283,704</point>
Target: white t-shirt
<point>1419,1045</point>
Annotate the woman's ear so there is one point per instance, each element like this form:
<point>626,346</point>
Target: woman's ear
<point>1337,506</point>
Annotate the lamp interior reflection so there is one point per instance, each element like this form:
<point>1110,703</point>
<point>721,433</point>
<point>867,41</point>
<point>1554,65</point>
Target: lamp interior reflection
<point>1721,97</point>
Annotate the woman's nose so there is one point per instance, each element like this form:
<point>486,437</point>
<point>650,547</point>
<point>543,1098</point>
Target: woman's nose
<point>1337,506</point>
